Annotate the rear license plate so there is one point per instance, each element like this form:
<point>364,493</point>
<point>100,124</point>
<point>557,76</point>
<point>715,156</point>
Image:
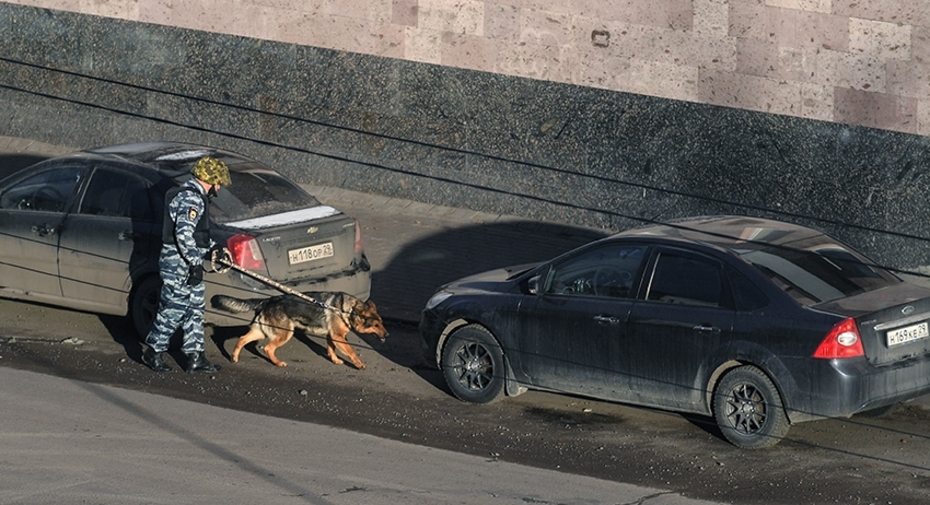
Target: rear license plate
<point>311,253</point>
<point>907,334</point>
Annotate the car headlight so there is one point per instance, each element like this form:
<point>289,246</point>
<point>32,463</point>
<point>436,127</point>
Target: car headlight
<point>438,298</point>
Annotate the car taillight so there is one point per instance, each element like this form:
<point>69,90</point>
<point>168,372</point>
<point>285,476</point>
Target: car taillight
<point>359,245</point>
<point>842,341</point>
<point>245,252</point>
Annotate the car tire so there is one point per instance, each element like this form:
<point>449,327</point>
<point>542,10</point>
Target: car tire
<point>473,365</point>
<point>143,305</point>
<point>749,410</point>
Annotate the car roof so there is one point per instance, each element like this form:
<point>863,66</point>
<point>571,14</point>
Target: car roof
<point>173,159</point>
<point>730,232</point>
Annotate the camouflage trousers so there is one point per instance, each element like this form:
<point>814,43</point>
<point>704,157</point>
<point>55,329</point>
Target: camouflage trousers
<point>179,307</point>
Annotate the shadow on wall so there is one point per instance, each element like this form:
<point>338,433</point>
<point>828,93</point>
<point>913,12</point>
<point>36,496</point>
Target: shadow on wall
<point>403,287</point>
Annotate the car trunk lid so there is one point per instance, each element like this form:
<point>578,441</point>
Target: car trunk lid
<point>316,242</point>
<point>893,322</point>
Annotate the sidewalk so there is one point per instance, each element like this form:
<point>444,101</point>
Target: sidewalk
<point>67,441</point>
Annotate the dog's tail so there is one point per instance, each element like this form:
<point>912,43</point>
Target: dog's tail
<point>237,305</point>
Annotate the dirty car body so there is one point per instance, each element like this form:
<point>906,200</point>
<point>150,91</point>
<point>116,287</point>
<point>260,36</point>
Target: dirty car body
<point>755,322</point>
<point>83,231</point>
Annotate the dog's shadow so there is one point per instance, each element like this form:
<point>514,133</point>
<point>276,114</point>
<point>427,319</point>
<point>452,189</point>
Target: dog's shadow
<point>222,335</point>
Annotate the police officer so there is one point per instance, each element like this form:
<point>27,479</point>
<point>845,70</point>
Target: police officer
<point>186,241</point>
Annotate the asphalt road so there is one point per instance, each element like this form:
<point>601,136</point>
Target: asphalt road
<point>67,441</point>
<point>859,460</point>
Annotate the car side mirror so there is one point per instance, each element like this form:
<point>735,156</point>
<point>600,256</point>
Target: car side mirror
<point>532,285</point>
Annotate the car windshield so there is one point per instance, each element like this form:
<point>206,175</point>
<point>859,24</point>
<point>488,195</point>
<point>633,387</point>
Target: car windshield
<point>257,193</point>
<point>818,269</point>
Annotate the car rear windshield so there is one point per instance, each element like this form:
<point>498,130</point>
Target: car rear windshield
<point>256,193</point>
<point>819,269</point>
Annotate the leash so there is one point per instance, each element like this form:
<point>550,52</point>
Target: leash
<point>224,259</point>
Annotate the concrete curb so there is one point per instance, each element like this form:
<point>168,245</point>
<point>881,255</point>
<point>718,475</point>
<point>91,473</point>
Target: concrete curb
<point>26,146</point>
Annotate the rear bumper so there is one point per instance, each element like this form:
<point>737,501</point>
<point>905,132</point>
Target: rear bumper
<point>844,387</point>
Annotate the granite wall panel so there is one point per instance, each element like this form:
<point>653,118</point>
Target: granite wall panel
<point>587,155</point>
<point>652,47</point>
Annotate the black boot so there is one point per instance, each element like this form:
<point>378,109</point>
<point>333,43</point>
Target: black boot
<point>197,362</point>
<point>155,360</point>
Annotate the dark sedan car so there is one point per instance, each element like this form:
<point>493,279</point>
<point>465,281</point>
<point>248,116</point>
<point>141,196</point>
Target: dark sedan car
<point>84,231</point>
<point>758,323</point>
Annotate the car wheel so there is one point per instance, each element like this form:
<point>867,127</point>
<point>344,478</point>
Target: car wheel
<point>143,305</point>
<point>749,410</point>
<point>473,365</point>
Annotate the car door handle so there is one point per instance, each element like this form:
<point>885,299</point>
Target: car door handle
<point>125,236</point>
<point>705,327</point>
<point>43,230</point>
<point>607,320</point>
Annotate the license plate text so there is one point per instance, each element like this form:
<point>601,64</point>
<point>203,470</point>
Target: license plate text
<point>907,334</point>
<point>311,253</point>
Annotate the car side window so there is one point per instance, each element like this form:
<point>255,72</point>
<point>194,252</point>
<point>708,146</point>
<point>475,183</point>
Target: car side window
<point>49,190</point>
<point>747,295</point>
<point>606,271</point>
<point>686,279</point>
<point>117,194</point>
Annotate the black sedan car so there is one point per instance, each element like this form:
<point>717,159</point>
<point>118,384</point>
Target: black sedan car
<point>83,231</point>
<point>758,323</point>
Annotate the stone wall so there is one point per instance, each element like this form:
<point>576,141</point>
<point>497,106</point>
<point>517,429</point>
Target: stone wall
<point>455,136</point>
<point>856,62</point>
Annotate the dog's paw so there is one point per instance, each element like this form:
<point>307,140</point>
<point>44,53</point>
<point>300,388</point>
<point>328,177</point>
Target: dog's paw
<point>360,366</point>
<point>281,364</point>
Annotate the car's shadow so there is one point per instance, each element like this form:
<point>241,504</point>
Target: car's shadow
<point>403,287</point>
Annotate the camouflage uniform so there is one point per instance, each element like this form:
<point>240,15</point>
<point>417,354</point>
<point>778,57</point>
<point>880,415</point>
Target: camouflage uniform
<point>186,239</point>
<point>181,305</point>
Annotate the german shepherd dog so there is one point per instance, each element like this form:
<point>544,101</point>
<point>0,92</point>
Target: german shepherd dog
<point>277,317</point>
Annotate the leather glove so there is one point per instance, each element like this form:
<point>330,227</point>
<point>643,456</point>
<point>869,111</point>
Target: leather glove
<point>216,253</point>
<point>194,275</point>
<point>218,258</point>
